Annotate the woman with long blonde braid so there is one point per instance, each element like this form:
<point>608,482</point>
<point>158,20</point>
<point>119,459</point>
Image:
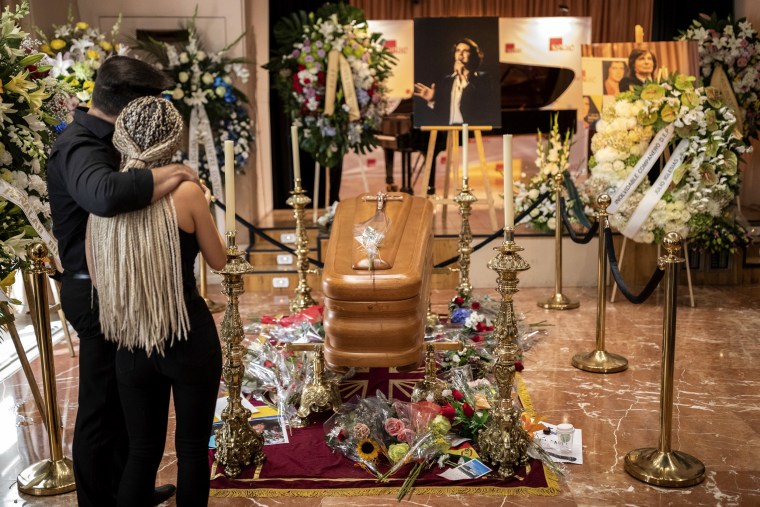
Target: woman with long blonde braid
<point>143,263</point>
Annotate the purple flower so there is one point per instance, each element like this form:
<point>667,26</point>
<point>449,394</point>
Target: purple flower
<point>309,59</point>
<point>318,44</point>
<point>295,54</point>
<point>321,53</point>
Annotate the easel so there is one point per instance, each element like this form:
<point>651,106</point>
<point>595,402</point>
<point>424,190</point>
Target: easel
<point>452,164</point>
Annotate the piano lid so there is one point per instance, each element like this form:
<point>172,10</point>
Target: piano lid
<point>532,86</point>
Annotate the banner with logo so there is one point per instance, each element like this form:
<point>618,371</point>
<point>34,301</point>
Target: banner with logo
<point>399,40</point>
<point>547,42</point>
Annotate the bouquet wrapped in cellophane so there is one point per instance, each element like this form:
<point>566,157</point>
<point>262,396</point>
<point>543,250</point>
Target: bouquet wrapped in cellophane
<point>422,431</point>
<point>356,431</point>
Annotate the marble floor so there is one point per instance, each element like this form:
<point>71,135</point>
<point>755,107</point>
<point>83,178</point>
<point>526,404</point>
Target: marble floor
<point>716,412</point>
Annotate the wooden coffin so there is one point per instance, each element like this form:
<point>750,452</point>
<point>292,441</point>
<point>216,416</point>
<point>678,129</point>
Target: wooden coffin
<point>376,318</point>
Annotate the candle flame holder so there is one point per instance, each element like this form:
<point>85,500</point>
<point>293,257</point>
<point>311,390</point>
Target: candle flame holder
<point>504,442</point>
<point>298,200</point>
<point>237,443</point>
<point>464,199</point>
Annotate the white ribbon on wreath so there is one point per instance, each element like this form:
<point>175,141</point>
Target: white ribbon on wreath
<point>656,191</point>
<point>642,168</point>
<point>201,133</point>
<point>21,199</point>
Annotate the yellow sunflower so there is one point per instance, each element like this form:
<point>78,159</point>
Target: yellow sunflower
<point>368,450</point>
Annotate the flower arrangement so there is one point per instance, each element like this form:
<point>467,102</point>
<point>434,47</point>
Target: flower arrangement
<point>552,157</point>
<point>357,432</point>
<point>205,80</point>
<point>735,47</point>
<point>76,52</point>
<point>300,76</point>
<point>703,185</point>
<point>421,430</point>
<point>31,103</point>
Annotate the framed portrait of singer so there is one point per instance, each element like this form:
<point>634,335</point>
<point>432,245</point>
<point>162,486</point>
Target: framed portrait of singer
<point>456,66</point>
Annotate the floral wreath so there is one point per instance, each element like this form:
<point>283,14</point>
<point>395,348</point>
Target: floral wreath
<point>31,104</point>
<point>703,185</point>
<point>736,48</point>
<point>206,79</point>
<point>301,78</point>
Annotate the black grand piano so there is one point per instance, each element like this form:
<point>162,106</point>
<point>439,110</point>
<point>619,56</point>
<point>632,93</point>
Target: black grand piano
<point>524,90</point>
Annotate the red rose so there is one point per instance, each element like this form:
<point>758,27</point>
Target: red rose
<point>519,366</point>
<point>459,300</point>
<point>301,67</point>
<point>467,409</point>
<point>342,434</point>
<point>457,395</point>
<point>448,412</point>
<point>268,364</point>
<point>480,327</point>
<point>477,338</point>
<point>475,306</point>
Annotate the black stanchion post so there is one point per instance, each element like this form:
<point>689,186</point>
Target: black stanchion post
<point>599,360</point>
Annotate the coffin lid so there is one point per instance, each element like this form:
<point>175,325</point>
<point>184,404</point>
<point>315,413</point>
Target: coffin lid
<point>404,248</point>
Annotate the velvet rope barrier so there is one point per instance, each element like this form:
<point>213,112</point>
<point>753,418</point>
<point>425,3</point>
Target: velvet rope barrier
<point>258,232</point>
<point>581,240</point>
<point>651,285</point>
<point>499,233</point>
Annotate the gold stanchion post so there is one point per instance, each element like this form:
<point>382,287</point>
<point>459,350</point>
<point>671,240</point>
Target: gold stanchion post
<point>55,475</point>
<point>465,200</point>
<point>237,443</point>
<point>663,466</point>
<point>213,306</point>
<point>504,442</point>
<point>558,301</point>
<point>298,200</point>
<point>599,360</point>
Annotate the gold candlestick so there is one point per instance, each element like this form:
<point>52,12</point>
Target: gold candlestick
<point>213,306</point>
<point>465,200</point>
<point>320,394</point>
<point>558,301</point>
<point>55,475</point>
<point>663,466</point>
<point>298,200</point>
<point>431,385</point>
<point>599,360</point>
<point>504,442</point>
<point>237,443</point>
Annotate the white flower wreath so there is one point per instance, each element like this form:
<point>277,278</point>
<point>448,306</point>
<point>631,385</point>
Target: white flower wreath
<point>704,182</point>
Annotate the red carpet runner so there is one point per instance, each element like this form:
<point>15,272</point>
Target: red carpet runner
<point>306,467</point>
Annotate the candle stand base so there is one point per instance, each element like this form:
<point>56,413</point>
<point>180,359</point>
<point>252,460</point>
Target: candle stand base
<point>669,469</point>
<point>600,361</point>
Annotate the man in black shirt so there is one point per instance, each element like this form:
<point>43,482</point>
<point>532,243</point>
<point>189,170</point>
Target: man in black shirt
<point>83,178</point>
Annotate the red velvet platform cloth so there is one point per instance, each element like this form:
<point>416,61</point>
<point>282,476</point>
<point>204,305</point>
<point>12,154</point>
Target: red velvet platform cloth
<point>307,467</point>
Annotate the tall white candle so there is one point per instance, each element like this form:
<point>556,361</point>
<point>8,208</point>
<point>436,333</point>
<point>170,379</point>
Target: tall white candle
<point>509,198</point>
<point>296,155</point>
<point>229,185</point>
<point>465,138</point>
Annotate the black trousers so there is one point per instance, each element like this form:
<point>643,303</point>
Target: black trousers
<point>190,371</point>
<point>100,436</point>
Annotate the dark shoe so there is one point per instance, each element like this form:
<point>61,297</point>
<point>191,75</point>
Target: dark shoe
<point>163,493</point>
